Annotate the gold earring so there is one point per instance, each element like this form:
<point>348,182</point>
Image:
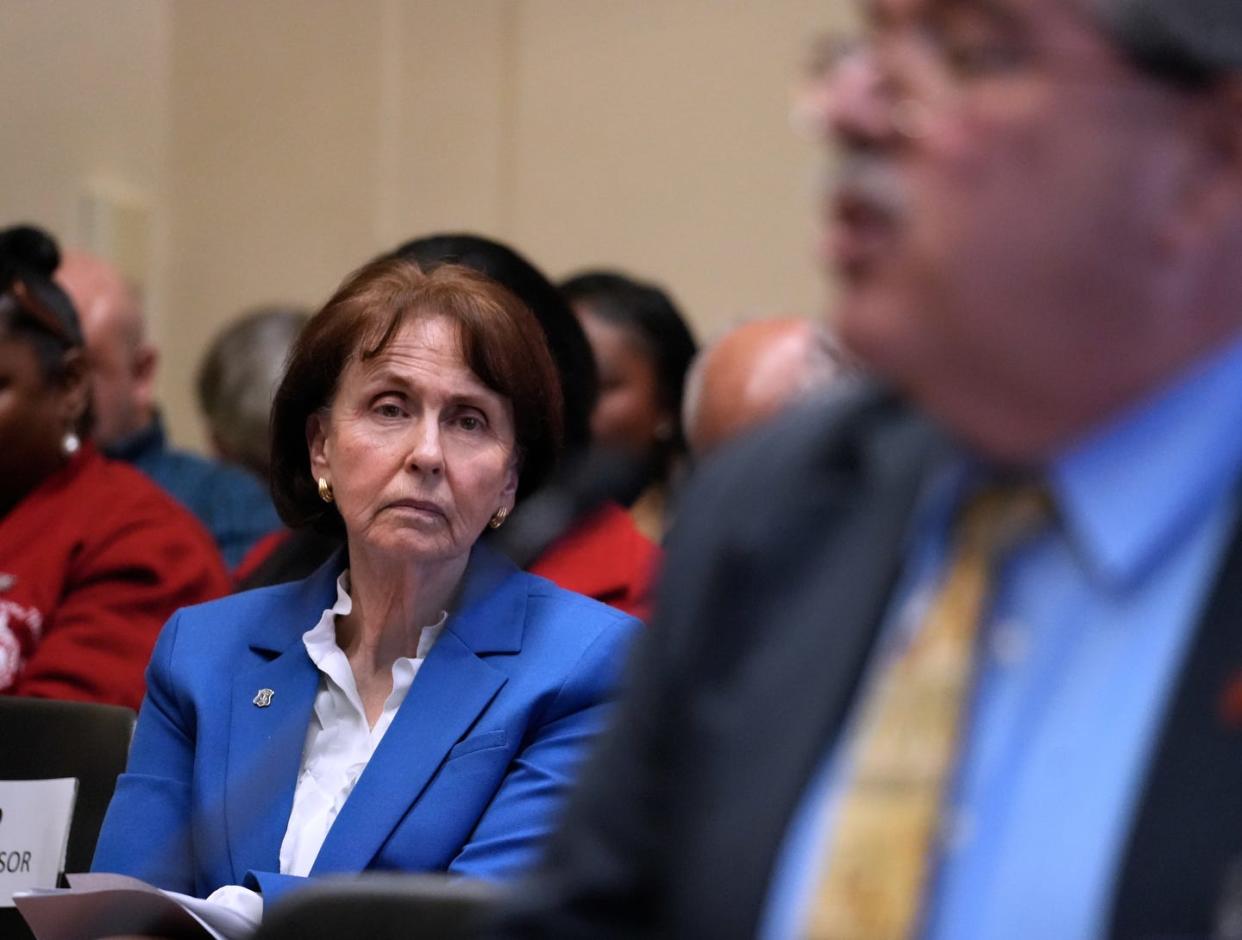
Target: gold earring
<point>325,490</point>
<point>499,519</point>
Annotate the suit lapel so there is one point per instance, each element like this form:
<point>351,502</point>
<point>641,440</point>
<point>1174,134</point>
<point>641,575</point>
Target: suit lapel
<point>1187,834</point>
<point>453,687</point>
<point>862,494</point>
<point>265,741</point>
<point>450,691</point>
<point>781,567</point>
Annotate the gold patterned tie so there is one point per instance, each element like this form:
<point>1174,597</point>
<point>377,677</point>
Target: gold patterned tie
<point>878,855</point>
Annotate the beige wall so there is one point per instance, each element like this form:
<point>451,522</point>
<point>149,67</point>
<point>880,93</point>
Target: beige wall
<point>281,142</point>
<point>655,135</point>
<point>84,94</point>
<point>272,190</point>
<point>83,91</point>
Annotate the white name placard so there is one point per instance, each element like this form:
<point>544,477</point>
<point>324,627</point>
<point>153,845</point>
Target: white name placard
<point>34,833</point>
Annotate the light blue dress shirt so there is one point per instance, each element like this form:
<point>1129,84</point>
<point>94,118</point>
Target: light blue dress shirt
<point>1079,654</point>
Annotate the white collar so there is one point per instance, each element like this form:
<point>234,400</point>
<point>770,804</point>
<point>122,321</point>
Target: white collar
<point>320,640</point>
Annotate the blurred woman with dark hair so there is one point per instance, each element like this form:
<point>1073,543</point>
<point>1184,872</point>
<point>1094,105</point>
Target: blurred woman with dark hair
<point>643,349</point>
<point>418,703</point>
<point>93,556</point>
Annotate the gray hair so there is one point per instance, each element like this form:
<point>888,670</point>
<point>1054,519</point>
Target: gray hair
<point>1190,41</point>
<point>239,375</point>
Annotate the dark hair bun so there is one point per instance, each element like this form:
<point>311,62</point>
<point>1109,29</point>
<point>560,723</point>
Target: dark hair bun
<point>30,254</point>
<point>27,249</point>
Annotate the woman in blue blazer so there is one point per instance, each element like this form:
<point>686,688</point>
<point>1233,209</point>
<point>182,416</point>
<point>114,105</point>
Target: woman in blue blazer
<point>419,703</point>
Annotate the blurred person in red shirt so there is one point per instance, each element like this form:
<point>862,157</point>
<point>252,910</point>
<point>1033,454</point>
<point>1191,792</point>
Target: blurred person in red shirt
<point>94,557</point>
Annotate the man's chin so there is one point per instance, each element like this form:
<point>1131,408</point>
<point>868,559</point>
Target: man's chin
<point>875,326</point>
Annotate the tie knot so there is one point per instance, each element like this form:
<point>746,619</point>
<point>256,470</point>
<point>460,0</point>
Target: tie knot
<point>1000,515</point>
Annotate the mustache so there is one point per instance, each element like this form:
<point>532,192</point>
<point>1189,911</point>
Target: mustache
<point>863,181</point>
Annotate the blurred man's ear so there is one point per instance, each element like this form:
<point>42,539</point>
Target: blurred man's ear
<point>142,370</point>
<point>1203,198</point>
<point>1216,189</point>
<point>1226,112</point>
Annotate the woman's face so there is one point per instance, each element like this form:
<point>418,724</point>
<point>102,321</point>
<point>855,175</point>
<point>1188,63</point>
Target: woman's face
<point>34,416</point>
<point>419,452</point>
<point>628,415</point>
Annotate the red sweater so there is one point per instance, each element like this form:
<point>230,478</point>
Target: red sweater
<point>92,563</point>
<point>607,558</point>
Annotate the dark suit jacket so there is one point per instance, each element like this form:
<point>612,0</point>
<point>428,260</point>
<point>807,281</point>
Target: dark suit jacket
<point>777,581</point>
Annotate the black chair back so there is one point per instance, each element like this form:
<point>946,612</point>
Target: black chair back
<point>41,739</point>
<point>378,907</point>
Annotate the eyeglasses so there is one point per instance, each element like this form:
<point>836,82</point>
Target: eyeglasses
<point>903,75</point>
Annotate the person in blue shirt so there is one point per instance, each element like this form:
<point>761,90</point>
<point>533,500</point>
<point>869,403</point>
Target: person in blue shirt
<point>231,503</point>
<point>1036,227</point>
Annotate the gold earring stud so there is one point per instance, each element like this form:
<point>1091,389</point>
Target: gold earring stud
<point>325,490</point>
<point>498,519</point>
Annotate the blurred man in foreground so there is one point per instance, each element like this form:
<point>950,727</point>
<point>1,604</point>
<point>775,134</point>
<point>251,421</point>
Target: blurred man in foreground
<point>233,505</point>
<point>960,659</point>
<point>751,374</point>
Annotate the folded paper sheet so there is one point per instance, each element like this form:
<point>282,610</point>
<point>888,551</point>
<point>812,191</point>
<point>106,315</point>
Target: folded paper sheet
<point>101,905</point>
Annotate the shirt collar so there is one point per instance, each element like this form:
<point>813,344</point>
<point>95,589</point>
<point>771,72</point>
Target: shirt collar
<point>320,640</point>
<point>150,439</point>
<point>1130,489</point>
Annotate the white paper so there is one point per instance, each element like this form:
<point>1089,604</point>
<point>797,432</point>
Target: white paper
<point>120,904</point>
<point>34,833</point>
<point>222,922</point>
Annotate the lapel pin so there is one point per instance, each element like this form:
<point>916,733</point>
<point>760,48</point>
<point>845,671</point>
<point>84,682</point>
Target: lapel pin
<point>7,581</point>
<point>263,697</point>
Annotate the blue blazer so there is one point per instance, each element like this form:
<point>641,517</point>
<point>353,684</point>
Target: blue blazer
<point>468,778</point>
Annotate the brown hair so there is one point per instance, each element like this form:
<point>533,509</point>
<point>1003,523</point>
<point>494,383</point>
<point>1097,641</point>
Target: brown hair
<point>501,343</point>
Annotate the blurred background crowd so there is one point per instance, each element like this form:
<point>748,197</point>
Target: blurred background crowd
<point>218,168</point>
<point>226,155</point>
